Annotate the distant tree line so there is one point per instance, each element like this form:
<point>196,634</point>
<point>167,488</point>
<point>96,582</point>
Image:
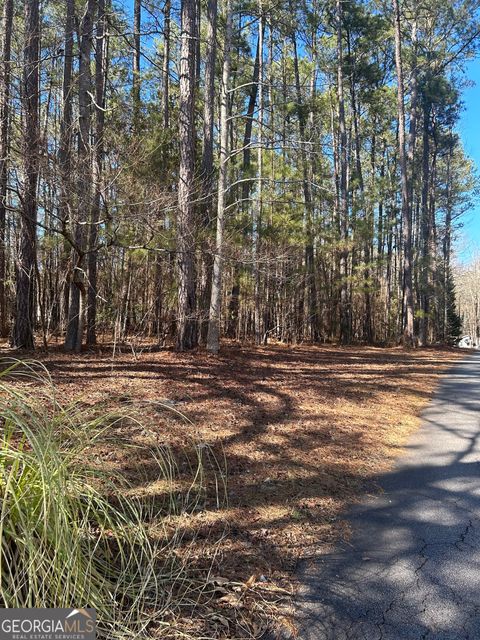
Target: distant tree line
<point>467,279</point>
<point>187,170</point>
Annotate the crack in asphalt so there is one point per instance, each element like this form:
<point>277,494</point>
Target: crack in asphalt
<point>468,528</point>
<point>410,569</point>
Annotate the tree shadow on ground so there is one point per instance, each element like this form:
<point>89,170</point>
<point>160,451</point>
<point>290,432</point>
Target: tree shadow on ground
<point>297,431</point>
<point>411,567</point>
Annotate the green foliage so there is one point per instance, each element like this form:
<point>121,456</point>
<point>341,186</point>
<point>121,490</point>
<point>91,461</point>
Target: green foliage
<point>308,50</point>
<point>63,541</point>
<point>454,321</point>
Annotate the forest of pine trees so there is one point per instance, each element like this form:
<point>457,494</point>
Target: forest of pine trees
<point>188,170</point>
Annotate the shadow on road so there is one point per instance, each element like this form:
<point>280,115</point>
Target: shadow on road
<point>412,567</point>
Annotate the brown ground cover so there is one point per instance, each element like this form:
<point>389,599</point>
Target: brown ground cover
<point>299,431</point>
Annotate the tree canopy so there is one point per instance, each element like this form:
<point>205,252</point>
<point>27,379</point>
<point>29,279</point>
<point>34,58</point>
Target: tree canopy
<point>192,169</point>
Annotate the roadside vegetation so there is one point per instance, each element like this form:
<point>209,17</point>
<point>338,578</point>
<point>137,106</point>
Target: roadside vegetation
<point>73,532</point>
<point>193,170</point>
<point>227,246</point>
<point>177,500</point>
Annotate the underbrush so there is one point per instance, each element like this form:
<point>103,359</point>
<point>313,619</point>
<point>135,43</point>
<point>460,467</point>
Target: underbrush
<point>72,535</point>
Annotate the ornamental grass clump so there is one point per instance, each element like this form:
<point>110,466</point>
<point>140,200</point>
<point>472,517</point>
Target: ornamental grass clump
<point>68,538</point>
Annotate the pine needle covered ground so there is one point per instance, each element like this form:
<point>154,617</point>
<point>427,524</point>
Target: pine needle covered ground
<point>296,432</point>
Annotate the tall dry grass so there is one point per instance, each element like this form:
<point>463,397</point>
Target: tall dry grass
<point>68,536</point>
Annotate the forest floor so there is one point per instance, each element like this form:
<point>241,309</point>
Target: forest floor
<point>298,433</point>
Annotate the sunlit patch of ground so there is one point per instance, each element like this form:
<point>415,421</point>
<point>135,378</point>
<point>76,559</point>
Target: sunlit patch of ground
<point>299,431</point>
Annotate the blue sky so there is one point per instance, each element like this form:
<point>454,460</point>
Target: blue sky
<point>469,129</point>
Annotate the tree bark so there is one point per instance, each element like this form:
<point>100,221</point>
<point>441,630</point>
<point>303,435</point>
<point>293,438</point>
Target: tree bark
<point>447,244</point>
<point>78,289</point>
<point>186,321</point>
<point>23,330</point>
<point>309,285</point>
<point>65,153</point>
<point>209,104</point>
<point>425,229</point>
<point>5,75</point>
<point>257,210</point>
<point>207,167</point>
<point>166,65</point>
<point>408,309</point>
<point>213,338</point>
<point>345,316</point>
<point>101,65</point>
<point>137,21</point>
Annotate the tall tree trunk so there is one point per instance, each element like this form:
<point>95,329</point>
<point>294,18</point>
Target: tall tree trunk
<point>432,279</point>
<point>233,309</point>
<point>365,208</point>
<point>209,108</point>
<point>137,21</point>
<point>158,290</point>
<point>335,222</point>
<point>425,229</point>
<point>76,311</point>
<point>310,285</point>
<point>5,75</point>
<point>369,238</point>
<point>166,65</point>
<point>65,152</point>
<point>207,168</point>
<point>257,210</point>
<point>186,321</point>
<point>27,252</point>
<point>213,338</point>
<point>408,309</point>
<point>345,316</point>
<point>447,248</point>
<point>247,137</point>
<point>198,55</point>
<point>101,65</point>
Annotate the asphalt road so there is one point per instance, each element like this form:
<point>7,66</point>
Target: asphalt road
<point>412,568</point>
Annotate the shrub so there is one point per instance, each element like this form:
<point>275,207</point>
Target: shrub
<point>65,542</point>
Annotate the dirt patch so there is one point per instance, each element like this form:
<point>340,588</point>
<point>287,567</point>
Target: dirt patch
<point>302,432</point>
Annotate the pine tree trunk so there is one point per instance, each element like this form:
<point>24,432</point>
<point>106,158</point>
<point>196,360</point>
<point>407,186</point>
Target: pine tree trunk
<point>101,65</point>
<point>213,338</point>
<point>65,155</point>
<point>408,310</point>
<point>137,21</point>
<point>207,168</point>
<point>78,289</point>
<point>209,109</point>
<point>447,246</point>
<point>425,230</point>
<point>257,210</point>
<point>345,316</point>
<point>186,321</point>
<point>166,65</point>
<point>5,75</point>
<point>310,284</point>
<point>23,330</point>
